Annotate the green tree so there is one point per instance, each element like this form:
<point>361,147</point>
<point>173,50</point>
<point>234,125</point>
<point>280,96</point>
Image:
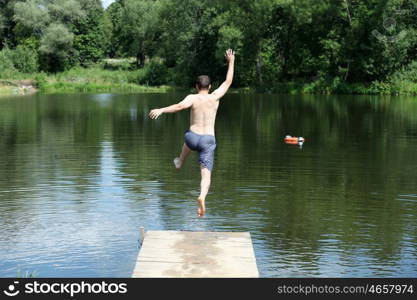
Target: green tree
<point>2,25</point>
<point>69,31</point>
<point>66,11</point>
<point>114,13</point>
<point>188,40</point>
<point>32,14</point>
<point>92,33</point>
<point>140,28</point>
<point>50,21</point>
<point>56,44</point>
<point>322,42</point>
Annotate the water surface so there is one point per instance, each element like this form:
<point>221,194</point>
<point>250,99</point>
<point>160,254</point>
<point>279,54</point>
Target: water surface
<point>79,174</point>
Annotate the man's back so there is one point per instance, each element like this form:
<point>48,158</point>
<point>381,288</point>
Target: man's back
<point>203,113</point>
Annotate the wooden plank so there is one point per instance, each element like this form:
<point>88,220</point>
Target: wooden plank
<point>181,270</point>
<point>196,236</point>
<point>155,251</point>
<point>196,254</point>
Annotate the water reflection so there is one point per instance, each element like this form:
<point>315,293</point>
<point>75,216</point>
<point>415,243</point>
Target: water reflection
<point>79,174</point>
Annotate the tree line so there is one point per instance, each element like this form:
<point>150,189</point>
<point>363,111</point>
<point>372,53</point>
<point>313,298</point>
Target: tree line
<point>342,41</point>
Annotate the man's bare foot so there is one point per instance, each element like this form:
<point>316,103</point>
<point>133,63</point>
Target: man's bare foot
<point>201,207</point>
<point>177,163</point>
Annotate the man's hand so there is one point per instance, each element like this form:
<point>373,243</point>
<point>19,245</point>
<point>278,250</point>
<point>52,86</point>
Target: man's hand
<point>230,55</point>
<point>222,89</point>
<point>155,113</point>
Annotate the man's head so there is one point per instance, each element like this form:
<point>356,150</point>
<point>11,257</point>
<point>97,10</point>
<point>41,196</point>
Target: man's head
<point>203,82</point>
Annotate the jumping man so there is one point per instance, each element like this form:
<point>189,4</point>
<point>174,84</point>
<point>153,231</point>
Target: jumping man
<point>200,137</point>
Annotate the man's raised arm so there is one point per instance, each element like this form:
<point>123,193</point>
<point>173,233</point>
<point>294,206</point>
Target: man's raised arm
<point>230,57</point>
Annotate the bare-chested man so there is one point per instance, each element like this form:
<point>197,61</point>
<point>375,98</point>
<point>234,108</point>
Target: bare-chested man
<point>200,137</point>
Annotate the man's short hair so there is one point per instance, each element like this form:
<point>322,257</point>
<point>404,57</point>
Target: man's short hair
<point>203,82</point>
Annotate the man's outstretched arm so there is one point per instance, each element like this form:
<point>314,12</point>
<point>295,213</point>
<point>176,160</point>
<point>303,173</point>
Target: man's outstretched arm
<point>184,104</point>
<point>230,57</point>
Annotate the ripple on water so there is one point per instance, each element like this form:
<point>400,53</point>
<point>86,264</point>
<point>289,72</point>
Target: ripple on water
<point>76,185</point>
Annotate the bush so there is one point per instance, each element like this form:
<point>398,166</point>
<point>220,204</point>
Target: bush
<point>25,59</point>
<point>40,80</point>
<point>407,73</point>
<point>155,74</point>
<point>136,76</point>
<point>6,60</point>
<point>380,88</point>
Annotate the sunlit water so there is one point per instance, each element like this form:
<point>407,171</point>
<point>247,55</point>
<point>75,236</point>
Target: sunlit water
<point>79,174</point>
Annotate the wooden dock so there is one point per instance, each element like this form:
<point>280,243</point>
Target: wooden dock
<point>196,254</point>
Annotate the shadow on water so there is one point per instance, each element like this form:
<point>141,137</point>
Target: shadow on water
<point>80,173</point>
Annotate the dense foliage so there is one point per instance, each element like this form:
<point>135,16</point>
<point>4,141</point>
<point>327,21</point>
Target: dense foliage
<point>328,43</point>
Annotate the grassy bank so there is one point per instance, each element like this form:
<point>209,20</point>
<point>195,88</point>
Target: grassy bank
<point>82,80</point>
<point>101,87</point>
<point>334,88</point>
<point>100,80</point>
<point>6,90</point>
<point>96,80</point>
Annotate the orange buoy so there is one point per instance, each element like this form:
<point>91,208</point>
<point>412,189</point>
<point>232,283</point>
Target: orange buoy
<point>293,140</point>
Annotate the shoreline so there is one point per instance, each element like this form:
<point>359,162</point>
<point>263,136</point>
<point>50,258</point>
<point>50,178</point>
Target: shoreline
<point>58,83</point>
<point>17,87</point>
<point>29,87</point>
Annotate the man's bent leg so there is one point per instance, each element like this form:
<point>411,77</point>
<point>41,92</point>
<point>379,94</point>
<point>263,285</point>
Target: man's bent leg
<point>179,161</point>
<point>205,185</point>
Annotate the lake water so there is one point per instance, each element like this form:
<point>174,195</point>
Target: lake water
<point>79,174</point>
